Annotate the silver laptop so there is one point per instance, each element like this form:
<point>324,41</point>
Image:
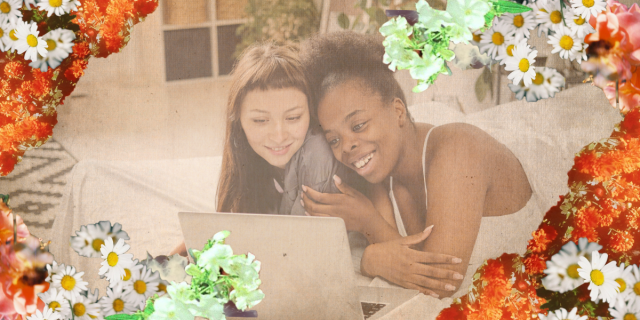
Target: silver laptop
<point>306,267</point>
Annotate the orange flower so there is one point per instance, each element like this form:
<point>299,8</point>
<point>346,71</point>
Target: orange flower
<point>621,241</point>
<point>535,264</point>
<point>541,238</point>
<point>6,225</point>
<point>81,50</point>
<point>14,70</point>
<point>76,70</point>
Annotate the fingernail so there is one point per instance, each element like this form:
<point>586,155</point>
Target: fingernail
<point>337,179</point>
<point>450,287</point>
<point>457,260</point>
<point>457,276</point>
<point>307,213</point>
<point>434,295</point>
<point>304,188</point>
<point>302,203</point>
<point>428,229</point>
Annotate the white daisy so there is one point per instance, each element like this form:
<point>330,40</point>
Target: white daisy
<point>584,247</point>
<point>29,42</point>
<point>522,23</point>
<point>581,55</point>
<point>116,231</point>
<point>633,294</point>
<point>506,51</point>
<point>129,271</point>
<point>47,314</point>
<point>88,241</point>
<point>522,64</point>
<point>550,15</point>
<point>9,39</point>
<point>579,25</point>
<point>625,311</point>
<point>55,300</point>
<point>30,4</point>
<point>82,308</point>
<point>73,5</point>
<point>562,269</point>
<point>57,50</point>
<point>626,280</point>
<point>69,282</point>
<point>521,91</point>
<point>535,7</point>
<point>57,7</point>
<point>554,81</point>
<point>116,302</point>
<point>477,37</point>
<point>5,30</point>
<point>495,38</point>
<point>601,277</point>
<point>10,10</point>
<point>115,259</point>
<point>563,314</point>
<point>588,8</point>
<point>162,286</point>
<point>53,269</point>
<point>565,43</point>
<point>145,284</point>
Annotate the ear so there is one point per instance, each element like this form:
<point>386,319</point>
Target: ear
<point>401,112</point>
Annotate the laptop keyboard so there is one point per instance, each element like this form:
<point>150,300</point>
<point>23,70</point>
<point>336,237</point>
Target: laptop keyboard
<point>369,309</point>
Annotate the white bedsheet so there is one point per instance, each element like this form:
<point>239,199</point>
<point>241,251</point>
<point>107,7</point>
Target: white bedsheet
<point>145,196</point>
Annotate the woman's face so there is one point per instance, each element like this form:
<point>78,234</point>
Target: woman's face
<point>275,122</point>
<point>362,130</point>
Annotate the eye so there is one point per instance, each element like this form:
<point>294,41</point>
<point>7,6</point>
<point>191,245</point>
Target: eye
<point>259,120</point>
<point>359,126</point>
<point>333,142</point>
<point>294,118</point>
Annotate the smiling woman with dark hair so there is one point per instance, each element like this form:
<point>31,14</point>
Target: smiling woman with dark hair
<point>438,179</point>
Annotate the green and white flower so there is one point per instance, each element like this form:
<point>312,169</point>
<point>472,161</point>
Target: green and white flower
<point>468,13</point>
<point>169,309</point>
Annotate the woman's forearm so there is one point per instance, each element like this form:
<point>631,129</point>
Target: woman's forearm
<point>378,230</point>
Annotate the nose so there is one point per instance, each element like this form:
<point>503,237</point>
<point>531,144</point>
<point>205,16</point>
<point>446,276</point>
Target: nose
<point>349,144</point>
<point>279,133</point>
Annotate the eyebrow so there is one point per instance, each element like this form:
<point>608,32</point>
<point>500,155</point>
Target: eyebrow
<point>265,111</point>
<point>349,116</point>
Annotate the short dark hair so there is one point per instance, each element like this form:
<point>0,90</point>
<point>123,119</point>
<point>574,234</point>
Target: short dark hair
<point>334,58</point>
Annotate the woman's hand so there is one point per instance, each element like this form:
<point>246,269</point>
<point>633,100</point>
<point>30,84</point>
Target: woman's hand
<point>413,269</point>
<point>353,207</point>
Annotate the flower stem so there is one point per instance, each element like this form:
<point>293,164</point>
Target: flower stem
<point>617,96</point>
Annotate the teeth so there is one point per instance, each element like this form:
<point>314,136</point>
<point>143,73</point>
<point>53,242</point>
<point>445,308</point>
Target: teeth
<point>362,162</point>
<point>277,149</point>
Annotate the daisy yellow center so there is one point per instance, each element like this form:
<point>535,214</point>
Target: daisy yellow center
<point>544,10</point>
<point>538,81</point>
<point>597,277</point>
<point>79,309</point>
<point>572,270</point>
<point>566,42</point>
<point>96,244</point>
<point>518,21</point>
<point>55,3</point>
<point>54,305</point>
<point>588,3</point>
<point>127,275</point>
<point>68,283</point>
<point>497,38</point>
<point>12,35</point>
<point>636,288</point>
<point>524,65</point>
<point>510,50</point>
<point>118,305</point>
<point>5,7</point>
<point>112,259</point>
<point>477,37</point>
<point>622,283</point>
<point>162,287</point>
<point>580,21</point>
<point>140,287</point>
<point>1,33</point>
<point>92,316</point>
<point>32,40</point>
<point>629,316</point>
<point>555,17</point>
<point>51,45</point>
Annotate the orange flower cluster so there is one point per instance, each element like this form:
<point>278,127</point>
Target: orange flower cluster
<point>29,98</point>
<point>502,290</point>
<point>22,269</point>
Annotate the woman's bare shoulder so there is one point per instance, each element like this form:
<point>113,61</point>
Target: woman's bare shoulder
<point>461,141</point>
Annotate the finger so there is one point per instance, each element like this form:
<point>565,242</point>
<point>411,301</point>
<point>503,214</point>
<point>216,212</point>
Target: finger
<point>326,198</point>
<point>430,283</point>
<point>418,237</point>
<point>316,214</point>
<point>434,272</point>
<point>313,207</point>
<point>430,257</point>
<point>422,290</point>
<point>343,187</point>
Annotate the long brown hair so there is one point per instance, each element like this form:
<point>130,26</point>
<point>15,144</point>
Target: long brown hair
<point>246,180</point>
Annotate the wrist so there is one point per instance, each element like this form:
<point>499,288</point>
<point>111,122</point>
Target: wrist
<point>366,264</point>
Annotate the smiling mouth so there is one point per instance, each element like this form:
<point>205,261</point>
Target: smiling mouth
<point>279,148</point>
<point>363,161</point>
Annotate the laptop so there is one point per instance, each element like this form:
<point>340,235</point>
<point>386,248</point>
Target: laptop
<point>306,266</point>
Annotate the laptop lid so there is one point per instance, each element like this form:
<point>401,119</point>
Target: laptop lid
<point>306,268</point>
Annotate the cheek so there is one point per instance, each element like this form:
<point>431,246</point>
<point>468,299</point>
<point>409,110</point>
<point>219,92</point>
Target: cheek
<point>253,133</point>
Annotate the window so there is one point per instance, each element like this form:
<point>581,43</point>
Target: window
<point>200,37</point>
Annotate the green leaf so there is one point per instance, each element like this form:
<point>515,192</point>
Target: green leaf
<point>121,317</point>
<point>510,7</point>
<point>4,198</point>
<point>343,21</point>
